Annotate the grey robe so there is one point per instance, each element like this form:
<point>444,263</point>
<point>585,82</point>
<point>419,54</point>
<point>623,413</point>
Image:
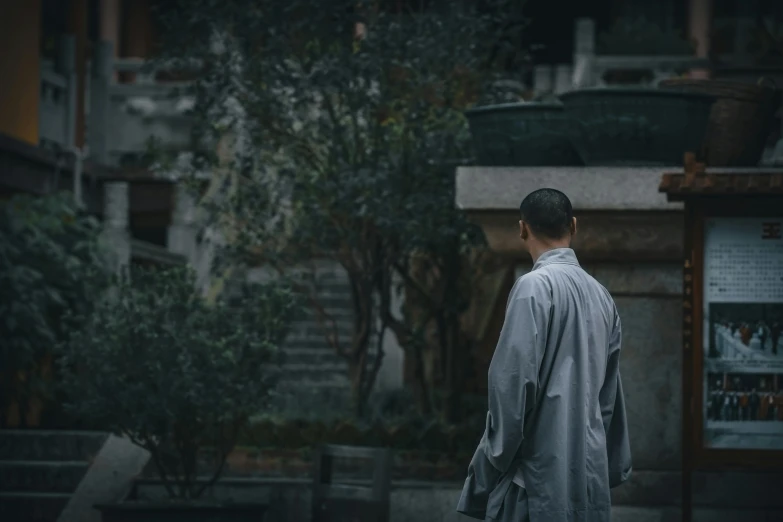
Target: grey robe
<point>556,438</point>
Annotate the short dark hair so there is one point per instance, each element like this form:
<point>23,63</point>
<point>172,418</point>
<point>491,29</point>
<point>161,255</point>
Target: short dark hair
<point>548,213</point>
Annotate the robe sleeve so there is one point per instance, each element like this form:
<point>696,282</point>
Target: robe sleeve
<point>618,447</point>
<point>512,390</point>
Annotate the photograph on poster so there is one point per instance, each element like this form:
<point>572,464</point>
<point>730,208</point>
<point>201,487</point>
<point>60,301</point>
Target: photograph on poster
<point>743,348</point>
<point>745,334</point>
<point>744,410</point>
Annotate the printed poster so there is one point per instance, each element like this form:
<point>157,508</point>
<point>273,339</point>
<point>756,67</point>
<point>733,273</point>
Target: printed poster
<point>743,349</point>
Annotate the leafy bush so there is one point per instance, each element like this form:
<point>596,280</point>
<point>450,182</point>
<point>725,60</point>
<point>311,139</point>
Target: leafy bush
<point>50,263</point>
<point>175,374</point>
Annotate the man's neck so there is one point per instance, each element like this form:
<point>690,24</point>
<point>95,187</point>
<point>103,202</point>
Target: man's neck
<point>540,249</point>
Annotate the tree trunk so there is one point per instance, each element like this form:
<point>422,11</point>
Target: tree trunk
<point>421,388</point>
<point>356,370</point>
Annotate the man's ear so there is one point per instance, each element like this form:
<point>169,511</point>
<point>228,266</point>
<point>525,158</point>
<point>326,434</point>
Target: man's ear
<point>573,227</point>
<point>524,233</point>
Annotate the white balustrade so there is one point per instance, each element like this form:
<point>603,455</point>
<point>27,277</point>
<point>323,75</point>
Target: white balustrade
<point>127,117</point>
<point>590,69</point>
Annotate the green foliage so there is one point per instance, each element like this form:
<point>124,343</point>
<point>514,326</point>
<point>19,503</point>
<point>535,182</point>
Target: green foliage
<point>159,364</point>
<point>339,147</point>
<point>50,264</point>
<point>393,421</point>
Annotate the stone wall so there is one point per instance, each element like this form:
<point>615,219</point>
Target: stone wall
<point>630,238</point>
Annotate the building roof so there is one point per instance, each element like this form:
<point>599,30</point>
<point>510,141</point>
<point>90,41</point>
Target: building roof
<point>751,182</point>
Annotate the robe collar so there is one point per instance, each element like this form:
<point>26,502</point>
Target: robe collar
<point>562,256</point>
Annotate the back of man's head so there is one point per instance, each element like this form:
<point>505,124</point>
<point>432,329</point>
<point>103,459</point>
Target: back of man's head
<point>548,213</point>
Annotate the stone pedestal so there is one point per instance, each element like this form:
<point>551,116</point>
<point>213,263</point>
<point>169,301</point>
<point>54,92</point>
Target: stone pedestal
<point>116,218</point>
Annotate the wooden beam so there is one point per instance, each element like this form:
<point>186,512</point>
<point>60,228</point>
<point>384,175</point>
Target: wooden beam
<point>77,26</point>
<point>20,68</point>
<point>699,29</point>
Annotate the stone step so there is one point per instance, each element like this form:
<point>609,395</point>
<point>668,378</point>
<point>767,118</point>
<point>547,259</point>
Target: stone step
<point>332,304</point>
<point>312,356</point>
<point>45,445</point>
<point>310,325</point>
<point>312,342</point>
<point>318,341</point>
<point>303,370</point>
<point>332,381</point>
<point>305,361</point>
<point>335,293</point>
<point>41,476</point>
<point>315,379</point>
<point>32,507</point>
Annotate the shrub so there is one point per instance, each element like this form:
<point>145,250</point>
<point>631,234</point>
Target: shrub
<point>158,364</point>
<point>50,263</point>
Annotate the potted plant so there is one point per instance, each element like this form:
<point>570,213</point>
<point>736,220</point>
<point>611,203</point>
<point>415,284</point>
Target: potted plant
<point>740,121</point>
<point>521,134</point>
<point>180,377</point>
<point>637,126</point>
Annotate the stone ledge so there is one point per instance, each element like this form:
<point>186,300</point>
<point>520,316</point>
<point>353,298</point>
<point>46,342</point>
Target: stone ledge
<point>589,188</point>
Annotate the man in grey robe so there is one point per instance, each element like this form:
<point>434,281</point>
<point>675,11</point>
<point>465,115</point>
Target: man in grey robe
<point>556,437</point>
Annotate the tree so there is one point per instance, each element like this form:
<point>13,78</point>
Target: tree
<point>342,142</point>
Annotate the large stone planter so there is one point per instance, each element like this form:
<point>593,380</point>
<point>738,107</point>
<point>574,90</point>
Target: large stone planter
<point>521,134</point>
<point>637,126</point>
<point>740,120</point>
<point>147,511</point>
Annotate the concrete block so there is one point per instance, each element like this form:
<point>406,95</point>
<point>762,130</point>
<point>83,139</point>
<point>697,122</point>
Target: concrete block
<point>108,480</point>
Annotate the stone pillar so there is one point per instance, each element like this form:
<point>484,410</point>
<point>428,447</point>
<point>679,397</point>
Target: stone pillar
<point>584,53</point>
<point>563,78</point>
<point>116,221</point>
<point>542,79</point>
<point>181,235</point>
<point>699,28</point>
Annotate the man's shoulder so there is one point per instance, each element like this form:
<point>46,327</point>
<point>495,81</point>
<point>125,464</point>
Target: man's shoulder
<point>532,283</point>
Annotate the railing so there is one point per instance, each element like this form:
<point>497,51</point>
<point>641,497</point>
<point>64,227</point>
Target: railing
<point>126,117</point>
<point>57,108</point>
<point>590,69</point>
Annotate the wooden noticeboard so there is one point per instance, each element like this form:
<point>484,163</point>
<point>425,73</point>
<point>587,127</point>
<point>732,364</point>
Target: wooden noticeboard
<point>732,315</point>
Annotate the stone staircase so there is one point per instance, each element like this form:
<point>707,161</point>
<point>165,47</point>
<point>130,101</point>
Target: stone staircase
<point>314,376</point>
<point>40,470</point>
